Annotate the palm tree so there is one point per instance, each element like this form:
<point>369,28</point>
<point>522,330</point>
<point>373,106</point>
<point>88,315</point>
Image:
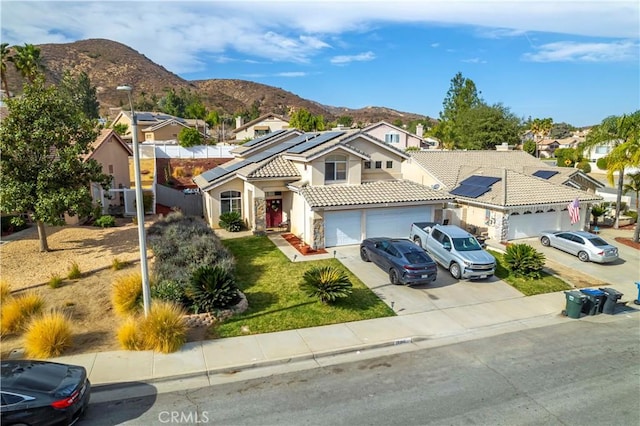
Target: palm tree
<point>28,61</point>
<point>541,128</point>
<point>624,133</point>
<point>633,185</point>
<point>4,56</point>
<point>597,210</point>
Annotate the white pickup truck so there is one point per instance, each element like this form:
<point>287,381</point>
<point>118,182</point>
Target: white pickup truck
<point>455,249</point>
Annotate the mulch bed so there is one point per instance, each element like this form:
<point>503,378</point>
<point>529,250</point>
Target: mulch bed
<point>296,243</point>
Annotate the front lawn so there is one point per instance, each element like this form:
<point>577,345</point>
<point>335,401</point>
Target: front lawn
<point>271,283</point>
<point>527,286</point>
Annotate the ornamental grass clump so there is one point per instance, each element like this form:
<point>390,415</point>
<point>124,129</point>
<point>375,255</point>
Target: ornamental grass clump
<point>128,335</point>
<point>74,271</point>
<point>326,283</point>
<point>17,311</point>
<point>5,291</point>
<point>126,294</point>
<point>55,280</point>
<point>523,260</point>
<point>48,335</point>
<point>164,329</point>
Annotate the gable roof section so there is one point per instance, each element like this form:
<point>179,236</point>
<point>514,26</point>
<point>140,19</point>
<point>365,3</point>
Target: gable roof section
<point>384,123</point>
<point>261,142</point>
<point>370,193</point>
<point>258,120</point>
<point>104,136</point>
<point>163,123</point>
<point>276,167</point>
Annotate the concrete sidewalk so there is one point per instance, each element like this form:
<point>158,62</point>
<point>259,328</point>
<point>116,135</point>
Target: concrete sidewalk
<point>439,323</point>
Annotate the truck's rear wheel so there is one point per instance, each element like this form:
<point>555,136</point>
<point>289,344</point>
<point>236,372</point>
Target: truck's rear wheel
<point>417,241</point>
<point>454,268</point>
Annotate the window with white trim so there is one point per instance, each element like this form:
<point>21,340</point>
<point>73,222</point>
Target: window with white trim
<point>335,168</point>
<point>392,138</point>
<point>389,165</point>
<point>230,201</point>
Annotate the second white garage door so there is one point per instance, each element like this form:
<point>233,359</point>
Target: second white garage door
<point>394,222</point>
<point>530,225</point>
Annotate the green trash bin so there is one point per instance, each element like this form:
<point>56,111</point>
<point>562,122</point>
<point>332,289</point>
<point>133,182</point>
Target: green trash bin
<point>575,300</point>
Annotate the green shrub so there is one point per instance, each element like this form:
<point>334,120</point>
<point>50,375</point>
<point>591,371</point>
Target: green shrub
<point>212,288</point>
<point>326,283</point>
<point>106,221</point>
<point>524,260</point>
<point>231,221</point>
<point>601,163</point>
<point>169,291</point>
<point>584,166</point>
<point>633,214</point>
<point>117,264</point>
<point>147,201</point>
<point>13,223</point>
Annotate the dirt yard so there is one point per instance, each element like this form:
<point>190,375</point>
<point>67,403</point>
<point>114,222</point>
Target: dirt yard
<point>87,299</point>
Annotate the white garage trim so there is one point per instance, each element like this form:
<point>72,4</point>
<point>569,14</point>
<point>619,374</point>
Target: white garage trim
<point>531,224</point>
<point>342,228</point>
<point>395,222</point>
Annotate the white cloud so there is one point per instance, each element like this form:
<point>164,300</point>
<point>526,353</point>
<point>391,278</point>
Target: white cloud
<point>568,51</point>
<point>434,45</point>
<point>291,74</point>
<point>474,61</point>
<point>179,34</point>
<point>345,59</point>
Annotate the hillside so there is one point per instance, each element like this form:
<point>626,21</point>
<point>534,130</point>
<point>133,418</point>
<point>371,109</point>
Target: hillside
<point>109,64</point>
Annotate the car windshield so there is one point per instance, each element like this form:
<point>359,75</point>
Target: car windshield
<point>598,242</point>
<point>416,257</point>
<point>466,244</point>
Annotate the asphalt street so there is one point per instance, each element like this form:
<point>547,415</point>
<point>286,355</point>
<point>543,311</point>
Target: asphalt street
<point>574,373</point>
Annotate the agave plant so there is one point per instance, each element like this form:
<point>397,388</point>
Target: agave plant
<point>211,288</point>
<point>231,221</point>
<point>524,260</point>
<point>326,283</point>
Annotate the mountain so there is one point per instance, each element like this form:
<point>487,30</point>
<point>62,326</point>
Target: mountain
<point>109,64</point>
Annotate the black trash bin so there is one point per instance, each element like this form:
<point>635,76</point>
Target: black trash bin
<point>575,300</point>
<point>593,303</point>
<point>611,299</point>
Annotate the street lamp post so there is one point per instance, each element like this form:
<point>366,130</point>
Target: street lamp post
<point>146,291</point>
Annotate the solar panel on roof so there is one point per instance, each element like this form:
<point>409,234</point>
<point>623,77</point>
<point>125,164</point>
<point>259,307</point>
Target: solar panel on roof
<point>470,191</point>
<point>312,143</point>
<point>480,180</point>
<point>545,174</point>
<point>263,138</point>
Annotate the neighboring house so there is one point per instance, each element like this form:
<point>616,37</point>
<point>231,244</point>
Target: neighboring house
<point>507,194</point>
<point>113,154</point>
<point>329,188</point>
<point>397,137</point>
<point>546,147</point>
<point>260,126</point>
<point>157,126</point>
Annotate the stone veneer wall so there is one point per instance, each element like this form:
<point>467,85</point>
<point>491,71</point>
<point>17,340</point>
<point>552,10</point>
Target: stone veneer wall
<point>318,234</point>
<point>209,318</point>
<point>260,214</point>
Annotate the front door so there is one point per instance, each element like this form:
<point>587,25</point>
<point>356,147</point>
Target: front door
<point>274,213</point>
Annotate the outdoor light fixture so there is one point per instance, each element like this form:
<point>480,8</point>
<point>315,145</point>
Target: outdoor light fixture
<point>146,291</point>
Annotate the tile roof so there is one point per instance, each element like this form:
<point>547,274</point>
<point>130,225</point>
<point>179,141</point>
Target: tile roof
<point>522,189</point>
<point>445,165</point>
<point>380,192</point>
<point>274,168</point>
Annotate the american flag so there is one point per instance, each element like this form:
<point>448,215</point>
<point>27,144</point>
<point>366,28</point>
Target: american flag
<point>574,211</point>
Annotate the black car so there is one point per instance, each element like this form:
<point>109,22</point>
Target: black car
<point>405,262</point>
<point>42,393</point>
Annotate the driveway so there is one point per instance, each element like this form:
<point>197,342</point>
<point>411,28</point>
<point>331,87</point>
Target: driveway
<point>622,274</point>
<point>445,293</point>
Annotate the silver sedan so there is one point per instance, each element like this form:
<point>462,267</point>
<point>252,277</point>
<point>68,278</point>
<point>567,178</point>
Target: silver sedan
<point>585,245</point>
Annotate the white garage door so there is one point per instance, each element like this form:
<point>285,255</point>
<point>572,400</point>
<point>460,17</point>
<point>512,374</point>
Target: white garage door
<point>530,225</point>
<point>395,222</point>
<point>342,228</point>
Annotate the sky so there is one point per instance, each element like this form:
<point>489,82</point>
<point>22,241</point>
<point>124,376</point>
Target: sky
<point>577,62</point>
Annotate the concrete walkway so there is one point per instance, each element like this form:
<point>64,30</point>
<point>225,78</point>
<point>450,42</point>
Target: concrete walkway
<point>441,315</point>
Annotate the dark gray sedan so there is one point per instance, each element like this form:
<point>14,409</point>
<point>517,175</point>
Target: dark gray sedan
<point>585,245</point>
<point>405,262</point>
